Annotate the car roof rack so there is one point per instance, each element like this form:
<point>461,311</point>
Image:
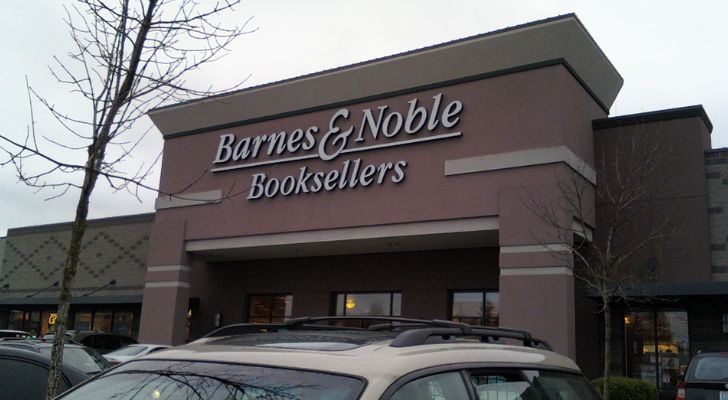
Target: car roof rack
<point>410,332</point>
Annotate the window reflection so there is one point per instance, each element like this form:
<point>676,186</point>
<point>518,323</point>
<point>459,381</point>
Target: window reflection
<point>657,347</point>
<point>178,380</point>
<point>476,308</point>
<point>369,304</point>
<point>270,308</point>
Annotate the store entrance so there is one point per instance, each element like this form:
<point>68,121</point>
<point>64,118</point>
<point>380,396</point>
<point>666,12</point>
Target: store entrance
<point>657,347</point>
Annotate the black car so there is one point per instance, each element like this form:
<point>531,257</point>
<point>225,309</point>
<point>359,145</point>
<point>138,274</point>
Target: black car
<point>103,342</point>
<point>24,375</point>
<point>706,378</point>
<point>78,356</point>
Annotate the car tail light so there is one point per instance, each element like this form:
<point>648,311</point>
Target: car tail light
<point>114,361</point>
<point>680,391</point>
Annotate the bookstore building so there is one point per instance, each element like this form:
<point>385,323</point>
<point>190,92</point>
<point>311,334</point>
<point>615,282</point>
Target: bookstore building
<point>428,184</point>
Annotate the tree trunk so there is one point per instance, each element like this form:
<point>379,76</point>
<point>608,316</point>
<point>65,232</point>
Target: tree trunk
<point>69,272</point>
<point>607,347</point>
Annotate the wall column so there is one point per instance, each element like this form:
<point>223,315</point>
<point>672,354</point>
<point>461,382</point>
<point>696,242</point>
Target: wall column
<point>167,287</point>
<point>536,281</point>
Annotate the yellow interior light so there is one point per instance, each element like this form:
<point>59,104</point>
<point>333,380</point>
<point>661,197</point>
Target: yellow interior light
<point>156,394</point>
<point>350,303</point>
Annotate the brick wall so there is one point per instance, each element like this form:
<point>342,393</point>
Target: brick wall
<point>716,176</point>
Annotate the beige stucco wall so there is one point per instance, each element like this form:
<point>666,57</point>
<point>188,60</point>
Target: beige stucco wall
<point>113,248</point>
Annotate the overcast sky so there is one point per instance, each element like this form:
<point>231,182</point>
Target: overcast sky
<point>670,53</point>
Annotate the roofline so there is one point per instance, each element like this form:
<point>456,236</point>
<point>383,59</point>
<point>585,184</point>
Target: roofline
<point>390,57</point>
<point>475,57</point>
<point>654,116</point>
<point>547,63</point>
<point>129,219</point>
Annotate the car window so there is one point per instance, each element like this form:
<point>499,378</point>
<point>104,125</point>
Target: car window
<point>24,379</point>
<point>185,380</point>
<point>563,386</point>
<point>708,368</point>
<point>79,358</point>
<point>18,345</point>
<point>445,386</point>
<point>502,385</point>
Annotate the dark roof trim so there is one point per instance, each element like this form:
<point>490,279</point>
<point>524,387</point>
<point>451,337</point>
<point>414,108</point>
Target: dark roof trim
<point>119,299</point>
<point>487,75</point>
<point>391,57</point>
<point>654,116</point>
<point>670,289</point>
<point>124,219</point>
<point>709,151</point>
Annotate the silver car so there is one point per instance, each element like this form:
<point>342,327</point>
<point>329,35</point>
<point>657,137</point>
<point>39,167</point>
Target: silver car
<point>307,359</point>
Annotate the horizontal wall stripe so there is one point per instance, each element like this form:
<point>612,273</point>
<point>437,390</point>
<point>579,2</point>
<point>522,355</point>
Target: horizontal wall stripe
<point>536,271</point>
<point>354,233</point>
<point>534,248</point>
<point>167,284</point>
<point>162,268</point>
<point>188,199</point>
<point>521,158</point>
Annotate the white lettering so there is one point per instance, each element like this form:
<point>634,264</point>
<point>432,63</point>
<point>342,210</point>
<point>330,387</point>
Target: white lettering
<point>413,113</point>
<point>256,188</point>
<point>339,142</point>
<point>224,147</point>
<point>368,120</point>
<point>452,110</point>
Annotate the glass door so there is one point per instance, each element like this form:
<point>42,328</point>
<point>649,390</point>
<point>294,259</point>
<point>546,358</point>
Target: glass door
<point>657,347</point>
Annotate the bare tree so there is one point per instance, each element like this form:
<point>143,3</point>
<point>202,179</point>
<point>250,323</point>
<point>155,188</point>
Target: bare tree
<point>605,228</point>
<point>128,57</point>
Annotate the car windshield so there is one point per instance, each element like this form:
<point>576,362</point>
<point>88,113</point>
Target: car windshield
<point>709,368</point>
<point>184,380</point>
<point>127,351</point>
<point>80,358</point>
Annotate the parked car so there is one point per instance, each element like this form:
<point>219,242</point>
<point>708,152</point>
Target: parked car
<point>10,333</point>
<point>103,342</point>
<point>78,356</point>
<point>132,351</point>
<point>705,378</point>
<point>306,359</point>
<point>24,375</point>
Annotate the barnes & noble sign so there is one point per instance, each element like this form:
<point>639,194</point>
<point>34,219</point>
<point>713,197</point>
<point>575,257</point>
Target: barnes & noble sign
<point>345,134</point>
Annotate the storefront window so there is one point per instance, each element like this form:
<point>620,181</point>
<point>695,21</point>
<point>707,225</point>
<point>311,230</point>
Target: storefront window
<point>475,308</point>
<point>48,320</point>
<point>369,304</point>
<point>102,321</point>
<point>16,320</point>
<point>123,322</point>
<point>33,324</point>
<point>270,308</point>
<point>82,321</point>
<point>657,347</point>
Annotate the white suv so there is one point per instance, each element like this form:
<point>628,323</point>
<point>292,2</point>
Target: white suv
<point>309,358</point>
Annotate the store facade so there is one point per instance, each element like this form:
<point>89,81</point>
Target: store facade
<point>107,294</point>
<point>397,182</point>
